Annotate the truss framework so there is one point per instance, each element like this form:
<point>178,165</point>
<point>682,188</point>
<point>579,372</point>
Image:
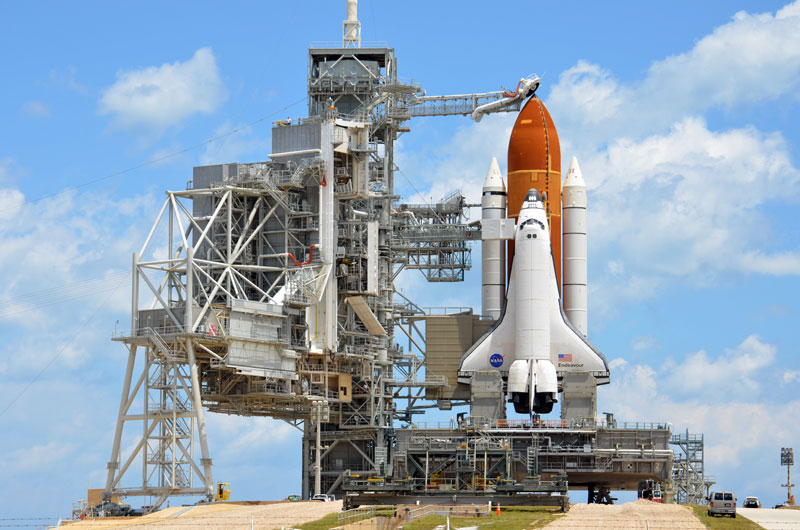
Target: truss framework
<point>172,419</point>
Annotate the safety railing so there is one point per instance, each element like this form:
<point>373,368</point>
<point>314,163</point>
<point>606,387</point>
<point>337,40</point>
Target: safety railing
<point>444,510</point>
<point>356,514</point>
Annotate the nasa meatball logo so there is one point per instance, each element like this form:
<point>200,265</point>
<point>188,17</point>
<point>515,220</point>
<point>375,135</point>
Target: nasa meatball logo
<point>496,360</point>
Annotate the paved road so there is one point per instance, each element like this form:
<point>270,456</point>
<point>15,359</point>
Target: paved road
<point>638,515</point>
<point>772,519</point>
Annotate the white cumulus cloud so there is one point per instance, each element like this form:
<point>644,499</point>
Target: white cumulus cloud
<point>698,373</point>
<point>713,395</point>
<point>62,258</point>
<point>751,59</point>
<point>158,97</point>
<point>686,203</point>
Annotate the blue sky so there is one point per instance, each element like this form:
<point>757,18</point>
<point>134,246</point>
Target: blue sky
<point>683,117</point>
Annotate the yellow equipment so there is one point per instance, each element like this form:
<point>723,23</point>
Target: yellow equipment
<point>223,491</point>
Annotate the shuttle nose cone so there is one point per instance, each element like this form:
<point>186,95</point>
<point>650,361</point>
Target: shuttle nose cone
<point>533,196</point>
<point>494,179</point>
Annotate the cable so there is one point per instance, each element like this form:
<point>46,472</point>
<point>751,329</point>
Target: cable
<point>12,305</point>
<point>430,206</point>
<point>63,348</point>
<point>27,518</point>
<point>151,161</point>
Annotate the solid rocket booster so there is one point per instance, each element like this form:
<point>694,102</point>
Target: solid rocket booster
<point>534,161</point>
<point>493,252</point>
<point>575,248</point>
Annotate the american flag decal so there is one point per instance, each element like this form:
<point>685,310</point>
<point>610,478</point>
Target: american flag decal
<point>565,357</point>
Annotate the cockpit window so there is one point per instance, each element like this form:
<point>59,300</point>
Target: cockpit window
<point>533,196</point>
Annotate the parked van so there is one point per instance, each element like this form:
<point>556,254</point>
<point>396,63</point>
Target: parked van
<point>722,503</point>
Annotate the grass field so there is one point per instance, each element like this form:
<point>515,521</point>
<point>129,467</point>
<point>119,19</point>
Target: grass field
<point>724,522</point>
<point>511,518</point>
<point>528,517</point>
<point>332,520</point>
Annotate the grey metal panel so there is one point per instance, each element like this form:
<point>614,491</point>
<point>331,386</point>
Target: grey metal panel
<point>156,319</point>
<point>447,338</point>
<point>160,321</point>
<point>251,354</point>
<point>579,397</point>
<point>487,399</point>
<point>296,137</point>
<point>257,321</point>
<point>350,69</point>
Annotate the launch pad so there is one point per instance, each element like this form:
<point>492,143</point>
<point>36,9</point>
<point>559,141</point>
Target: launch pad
<point>273,294</point>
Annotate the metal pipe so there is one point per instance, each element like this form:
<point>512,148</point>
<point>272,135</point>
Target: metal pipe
<point>135,295</point>
<point>197,404</point>
<point>296,153</point>
<point>317,462</point>
<point>113,464</point>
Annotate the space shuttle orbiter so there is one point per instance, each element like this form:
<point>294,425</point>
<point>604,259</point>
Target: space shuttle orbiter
<point>533,342</point>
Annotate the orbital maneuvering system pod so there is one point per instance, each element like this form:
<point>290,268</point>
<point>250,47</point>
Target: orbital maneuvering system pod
<point>532,342</point>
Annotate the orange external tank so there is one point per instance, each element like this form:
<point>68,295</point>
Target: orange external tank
<point>534,161</point>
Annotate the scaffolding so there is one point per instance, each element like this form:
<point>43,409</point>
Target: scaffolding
<point>688,470</point>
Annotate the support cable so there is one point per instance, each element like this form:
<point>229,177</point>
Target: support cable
<point>12,305</point>
<point>62,350</point>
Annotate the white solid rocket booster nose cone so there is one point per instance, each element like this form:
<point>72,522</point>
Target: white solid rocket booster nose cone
<point>494,178</point>
<point>574,175</point>
<point>574,206</point>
